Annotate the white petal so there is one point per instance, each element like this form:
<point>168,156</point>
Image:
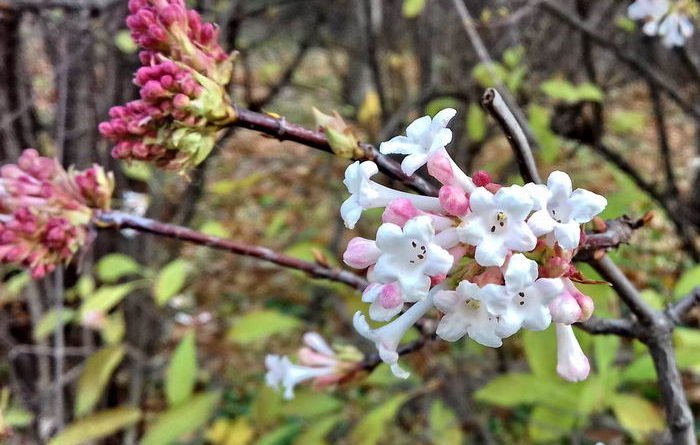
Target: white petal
<point>442,118</point>
<point>585,205</point>
<point>400,145</point>
<point>377,312</point>
<point>539,195</point>
<point>388,236</point>
<point>413,162</point>
<point>491,251</point>
<point>568,235</point>
<point>447,301</point>
<point>316,342</point>
<point>541,223</point>
<point>418,128</point>
<point>468,290</point>
<point>452,326</point>
<point>481,201</point>
<point>495,297</point>
<point>350,211</point>
<point>515,201</point>
<point>471,231</point>
<point>438,261</point>
<point>420,228</point>
<point>519,237</point>
<point>559,184</point>
<point>441,138</point>
<point>521,273</point>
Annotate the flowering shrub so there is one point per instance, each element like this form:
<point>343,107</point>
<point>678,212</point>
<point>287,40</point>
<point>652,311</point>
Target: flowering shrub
<point>46,210</point>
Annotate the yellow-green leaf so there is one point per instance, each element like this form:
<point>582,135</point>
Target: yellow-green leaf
<point>171,279</point>
<point>182,419</point>
<point>315,433</point>
<point>370,429</point>
<point>123,41</point>
<point>687,282</point>
<point>95,376</point>
<point>547,424</point>
<point>114,266</point>
<point>412,8</point>
<point>48,323</point>
<point>106,297</point>
<point>181,374</point>
<point>637,415</point>
<point>261,324</point>
<point>311,404</point>
<point>444,425</point>
<point>97,426</point>
<point>476,123</point>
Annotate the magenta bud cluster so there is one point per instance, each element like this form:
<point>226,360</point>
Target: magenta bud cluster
<point>45,210</point>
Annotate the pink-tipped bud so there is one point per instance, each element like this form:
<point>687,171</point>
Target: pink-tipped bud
<point>390,296</point>
<point>454,200</point>
<point>440,167</point>
<point>361,253</point>
<point>309,357</point>
<point>493,187</point>
<point>586,304</point>
<point>565,309</point>
<point>399,211</point>
<point>572,363</point>
<point>491,275</point>
<point>437,279</point>
<point>481,178</point>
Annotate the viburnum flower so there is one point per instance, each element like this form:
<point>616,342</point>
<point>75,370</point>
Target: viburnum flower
<point>318,362</point>
<point>572,363</point>
<point>45,210</point>
<point>410,256</point>
<point>497,225</point>
<point>182,82</point>
<point>424,137</point>
<point>386,300</point>
<point>669,20</point>
<point>561,211</point>
<point>367,194</point>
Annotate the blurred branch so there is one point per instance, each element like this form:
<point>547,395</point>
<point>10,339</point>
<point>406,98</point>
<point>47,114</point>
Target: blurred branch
<point>634,62</point>
<point>608,326</point>
<point>678,310</point>
<point>72,5</point>
<point>617,231</point>
<point>118,220</point>
<point>279,128</point>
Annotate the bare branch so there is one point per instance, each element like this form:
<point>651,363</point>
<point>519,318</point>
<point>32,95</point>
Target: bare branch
<point>678,310</point>
<point>608,326</point>
<point>618,231</point>
<point>119,220</point>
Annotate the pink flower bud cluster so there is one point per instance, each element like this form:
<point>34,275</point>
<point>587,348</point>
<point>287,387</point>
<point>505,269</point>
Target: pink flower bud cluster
<point>45,210</point>
<point>491,259</point>
<point>182,101</point>
<point>169,28</point>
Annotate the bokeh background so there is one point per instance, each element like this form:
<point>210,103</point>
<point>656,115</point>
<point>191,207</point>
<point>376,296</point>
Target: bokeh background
<point>380,64</point>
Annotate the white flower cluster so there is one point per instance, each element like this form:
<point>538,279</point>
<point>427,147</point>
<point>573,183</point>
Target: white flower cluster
<point>491,259</point>
<point>669,20</point>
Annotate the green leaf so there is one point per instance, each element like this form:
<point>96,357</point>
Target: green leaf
<point>370,430</point>
<point>500,391</point>
<point>626,24</point>
<point>605,350</point>
<point>488,76</point>
<point>540,352</point>
<point>315,434</point>
<point>106,297</point>
<point>266,407</point>
<point>513,56</point>
<point>564,90</point>
<point>182,419</point>
<point>547,424</point>
<point>170,280</point>
<point>589,92</point>
<point>95,376</point>
<point>114,266</point>
<point>114,328</point>
<point>181,375</point>
<point>412,8</point>
<point>123,41</point>
<point>137,170</point>
<point>18,417</point>
<point>440,103</point>
<point>48,323</point>
<point>214,228</point>
<point>261,324</point>
<point>311,404</point>
<point>444,425</point>
<point>540,119</point>
<point>640,370</point>
<point>476,123</point>
<point>97,426</point>
<point>624,122</point>
<point>637,415</point>
<point>687,282</point>
<point>280,436</point>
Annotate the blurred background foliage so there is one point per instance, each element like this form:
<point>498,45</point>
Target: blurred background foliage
<point>161,350</point>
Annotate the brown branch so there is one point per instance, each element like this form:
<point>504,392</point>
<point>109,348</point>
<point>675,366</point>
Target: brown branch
<point>118,220</point>
<point>617,231</point>
<point>279,128</point>
<point>678,310</point>
<point>609,326</point>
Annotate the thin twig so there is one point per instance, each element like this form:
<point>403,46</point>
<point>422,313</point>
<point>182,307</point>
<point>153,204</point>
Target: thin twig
<point>119,220</point>
<point>609,326</point>
<point>678,310</point>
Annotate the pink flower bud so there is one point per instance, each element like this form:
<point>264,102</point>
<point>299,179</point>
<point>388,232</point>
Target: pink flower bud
<point>454,200</point>
<point>390,296</point>
<point>572,363</point>
<point>481,178</point>
<point>440,167</point>
<point>491,275</point>
<point>437,279</point>
<point>361,253</point>
<point>399,211</point>
<point>565,309</point>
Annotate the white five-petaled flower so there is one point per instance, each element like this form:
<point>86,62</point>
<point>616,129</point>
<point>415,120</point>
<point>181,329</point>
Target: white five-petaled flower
<point>318,362</point>
<point>497,225</point>
<point>367,194</point>
<point>410,256</point>
<point>466,314</point>
<point>663,19</point>
<point>424,137</point>
<point>572,363</point>
<point>560,211</point>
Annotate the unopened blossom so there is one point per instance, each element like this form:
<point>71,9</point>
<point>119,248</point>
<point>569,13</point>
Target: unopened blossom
<point>45,210</point>
<point>317,362</point>
<point>442,167</point>
<point>424,137</point>
<point>561,211</point>
<point>388,337</point>
<point>367,194</point>
<point>410,256</point>
<point>668,20</point>
<point>401,210</point>
<point>496,224</point>
<point>572,363</point>
<point>386,300</point>
<point>571,305</point>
